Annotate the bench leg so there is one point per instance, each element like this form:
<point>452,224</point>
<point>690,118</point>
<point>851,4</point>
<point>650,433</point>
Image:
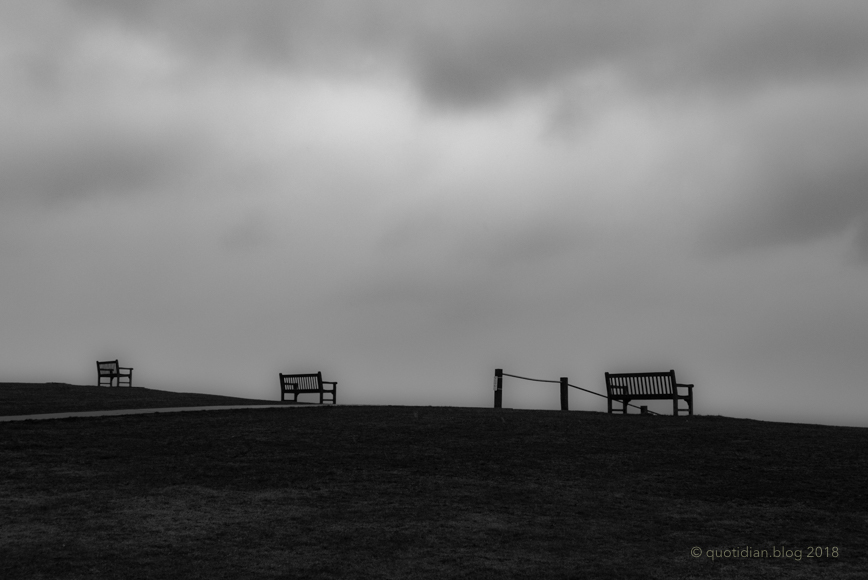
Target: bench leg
<point>677,411</point>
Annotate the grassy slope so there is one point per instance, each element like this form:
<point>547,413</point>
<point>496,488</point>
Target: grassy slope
<point>35,398</point>
<point>404,492</point>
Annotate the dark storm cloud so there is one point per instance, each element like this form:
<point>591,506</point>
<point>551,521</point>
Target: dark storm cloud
<point>469,55</point>
<point>463,52</point>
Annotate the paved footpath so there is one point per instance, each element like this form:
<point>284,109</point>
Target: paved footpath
<point>144,411</point>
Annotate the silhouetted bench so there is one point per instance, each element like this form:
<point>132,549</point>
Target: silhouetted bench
<point>296,385</point>
<point>625,387</point>
<point>111,371</point>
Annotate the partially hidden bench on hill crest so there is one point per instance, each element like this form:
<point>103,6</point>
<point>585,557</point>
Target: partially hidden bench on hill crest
<point>296,385</point>
<point>625,387</point>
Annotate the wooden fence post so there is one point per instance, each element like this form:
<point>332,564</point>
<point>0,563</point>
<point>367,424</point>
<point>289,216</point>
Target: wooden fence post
<point>498,388</point>
<point>565,403</point>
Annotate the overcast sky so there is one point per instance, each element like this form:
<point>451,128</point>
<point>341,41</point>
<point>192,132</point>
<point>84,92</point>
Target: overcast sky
<point>408,195</point>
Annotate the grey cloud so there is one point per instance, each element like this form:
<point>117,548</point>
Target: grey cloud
<point>531,241</point>
<point>91,162</point>
<point>815,204</point>
<point>470,53</point>
<point>440,267</point>
<point>413,232</point>
<point>671,48</point>
<point>297,34</point>
<point>247,234</point>
<point>810,180</point>
<point>800,208</point>
<point>861,242</point>
<point>535,245</point>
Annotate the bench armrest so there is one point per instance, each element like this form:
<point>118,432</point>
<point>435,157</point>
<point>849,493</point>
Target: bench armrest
<point>687,386</point>
<point>329,383</point>
<point>125,368</point>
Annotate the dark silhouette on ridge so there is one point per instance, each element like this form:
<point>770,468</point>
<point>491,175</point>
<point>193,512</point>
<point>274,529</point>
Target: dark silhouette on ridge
<point>625,387</point>
<point>110,370</point>
<point>296,385</point>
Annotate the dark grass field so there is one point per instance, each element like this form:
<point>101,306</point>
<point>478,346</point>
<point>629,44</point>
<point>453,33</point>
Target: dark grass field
<point>36,398</point>
<point>430,492</point>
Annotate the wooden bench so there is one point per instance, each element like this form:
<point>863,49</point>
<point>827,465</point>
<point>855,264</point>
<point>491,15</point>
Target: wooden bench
<point>110,370</point>
<point>625,387</point>
<point>296,385</point>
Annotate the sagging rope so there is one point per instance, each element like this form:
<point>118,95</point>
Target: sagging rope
<point>587,391</point>
<point>605,397</point>
<point>527,379</point>
<point>569,385</point>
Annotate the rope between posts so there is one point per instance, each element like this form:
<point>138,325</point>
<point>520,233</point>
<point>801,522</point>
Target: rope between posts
<point>587,391</point>
<point>528,379</point>
<point>569,385</point>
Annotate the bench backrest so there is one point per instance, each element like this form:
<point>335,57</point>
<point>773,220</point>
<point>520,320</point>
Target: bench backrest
<point>640,383</point>
<point>308,382</point>
<point>107,368</point>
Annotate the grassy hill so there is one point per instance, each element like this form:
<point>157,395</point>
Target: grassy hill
<point>430,492</point>
<point>36,398</point>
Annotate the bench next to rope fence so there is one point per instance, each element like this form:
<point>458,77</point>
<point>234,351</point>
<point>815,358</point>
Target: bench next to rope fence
<point>624,387</point>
